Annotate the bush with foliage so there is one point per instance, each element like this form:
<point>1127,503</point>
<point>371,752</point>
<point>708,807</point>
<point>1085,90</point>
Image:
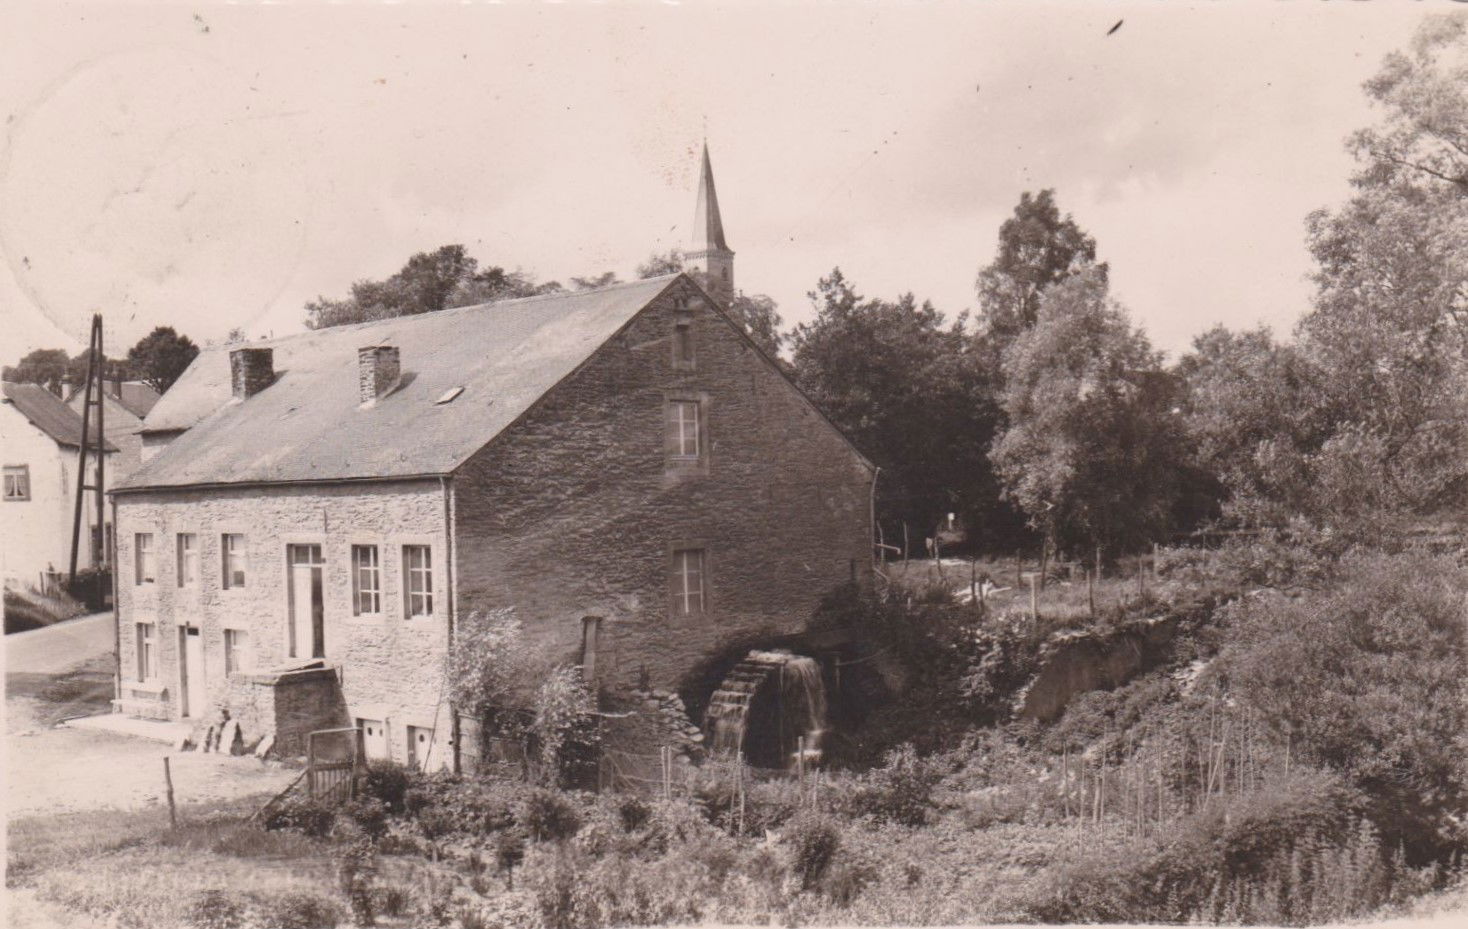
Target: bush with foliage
<point>1370,678</point>
<point>900,791</point>
<point>548,816</point>
<point>304,814</point>
<point>388,782</point>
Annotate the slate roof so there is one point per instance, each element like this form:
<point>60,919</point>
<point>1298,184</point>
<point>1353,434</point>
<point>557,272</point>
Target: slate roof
<point>708,224</point>
<point>138,398</point>
<point>47,413</point>
<point>308,424</point>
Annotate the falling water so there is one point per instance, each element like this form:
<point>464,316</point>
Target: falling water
<point>785,685</point>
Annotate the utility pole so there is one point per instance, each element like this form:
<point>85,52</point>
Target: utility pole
<point>92,398</point>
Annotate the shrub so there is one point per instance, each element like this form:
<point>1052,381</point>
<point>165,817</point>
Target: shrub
<point>1287,853</point>
<point>299,910</point>
<point>899,792</point>
<point>368,814</point>
<point>303,814</point>
<point>1369,679</point>
<point>445,804</point>
<point>632,812</point>
<point>388,782</point>
<point>548,816</point>
<point>812,840</point>
<point>218,909</point>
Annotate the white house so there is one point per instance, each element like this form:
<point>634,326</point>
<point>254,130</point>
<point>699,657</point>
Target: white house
<point>39,441</point>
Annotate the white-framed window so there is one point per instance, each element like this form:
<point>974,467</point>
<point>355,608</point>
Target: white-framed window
<point>236,651</point>
<point>234,561</point>
<point>17,483</point>
<point>145,562</point>
<point>417,581</point>
<point>688,581</point>
<point>684,428</point>
<point>188,559</point>
<point>146,651</point>
<point>366,581</point>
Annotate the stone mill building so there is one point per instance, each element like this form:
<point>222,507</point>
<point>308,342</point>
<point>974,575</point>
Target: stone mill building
<point>623,466</point>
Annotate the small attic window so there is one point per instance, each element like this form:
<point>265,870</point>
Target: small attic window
<point>448,395</point>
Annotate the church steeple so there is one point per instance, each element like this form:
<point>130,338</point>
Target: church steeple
<point>710,259</point>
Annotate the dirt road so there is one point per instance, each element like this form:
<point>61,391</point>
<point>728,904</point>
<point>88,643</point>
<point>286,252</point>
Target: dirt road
<point>57,648</point>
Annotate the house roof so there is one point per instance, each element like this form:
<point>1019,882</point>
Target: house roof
<point>138,398</point>
<point>47,413</point>
<point>308,425</point>
<point>134,396</point>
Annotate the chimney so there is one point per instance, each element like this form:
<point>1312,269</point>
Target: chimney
<point>377,371</point>
<point>251,370</point>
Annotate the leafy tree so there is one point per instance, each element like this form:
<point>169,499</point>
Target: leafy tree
<point>605,279</point>
<point>1384,349</point>
<point>45,366</point>
<point>1038,248</point>
<point>1245,400</point>
<point>161,356</point>
<point>913,394</point>
<point>757,313</point>
<point>1092,450</point>
<point>1424,137</point>
<point>427,283</point>
<point>660,263</point>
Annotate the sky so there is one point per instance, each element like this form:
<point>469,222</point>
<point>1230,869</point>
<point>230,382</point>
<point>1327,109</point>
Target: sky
<point>216,166</point>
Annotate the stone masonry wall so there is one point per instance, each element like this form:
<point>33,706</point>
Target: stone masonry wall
<point>389,667</point>
<point>575,512</point>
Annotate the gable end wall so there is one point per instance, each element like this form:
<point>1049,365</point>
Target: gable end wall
<point>573,511</point>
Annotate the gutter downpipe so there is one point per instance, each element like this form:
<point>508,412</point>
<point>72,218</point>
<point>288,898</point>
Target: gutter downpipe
<point>446,488</point>
<point>110,552</point>
<point>872,518</point>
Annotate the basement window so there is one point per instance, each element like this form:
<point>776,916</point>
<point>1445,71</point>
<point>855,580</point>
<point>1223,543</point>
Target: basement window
<point>448,395</point>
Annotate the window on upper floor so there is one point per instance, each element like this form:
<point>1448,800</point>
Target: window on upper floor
<point>145,562</point>
<point>685,430</point>
<point>234,560</point>
<point>17,483</point>
<point>366,581</point>
<point>188,559</point>
<point>417,581</point>
<point>688,582</point>
<point>683,357</point>
<point>144,646</point>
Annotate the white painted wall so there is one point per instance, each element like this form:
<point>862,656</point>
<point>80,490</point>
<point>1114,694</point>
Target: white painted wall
<point>35,534</point>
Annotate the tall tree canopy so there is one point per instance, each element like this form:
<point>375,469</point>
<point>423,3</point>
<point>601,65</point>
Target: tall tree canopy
<point>912,393</point>
<point>1379,431</point>
<point>1092,451</point>
<point>161,356</point>
<point>1038,248</point>
<point>48,367</point>
<point>430,281</point>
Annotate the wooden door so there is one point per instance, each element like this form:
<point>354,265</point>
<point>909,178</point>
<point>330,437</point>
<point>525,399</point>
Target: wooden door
<point>374,738</point>
<point>307,611</point>
<point>191,672</point>
<point>419,741</point>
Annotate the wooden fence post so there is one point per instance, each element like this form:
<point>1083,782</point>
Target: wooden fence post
<point>1034,601</point>
<point>168,783</point>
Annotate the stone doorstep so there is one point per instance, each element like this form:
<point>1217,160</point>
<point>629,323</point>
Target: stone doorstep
<point>167,731</point>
